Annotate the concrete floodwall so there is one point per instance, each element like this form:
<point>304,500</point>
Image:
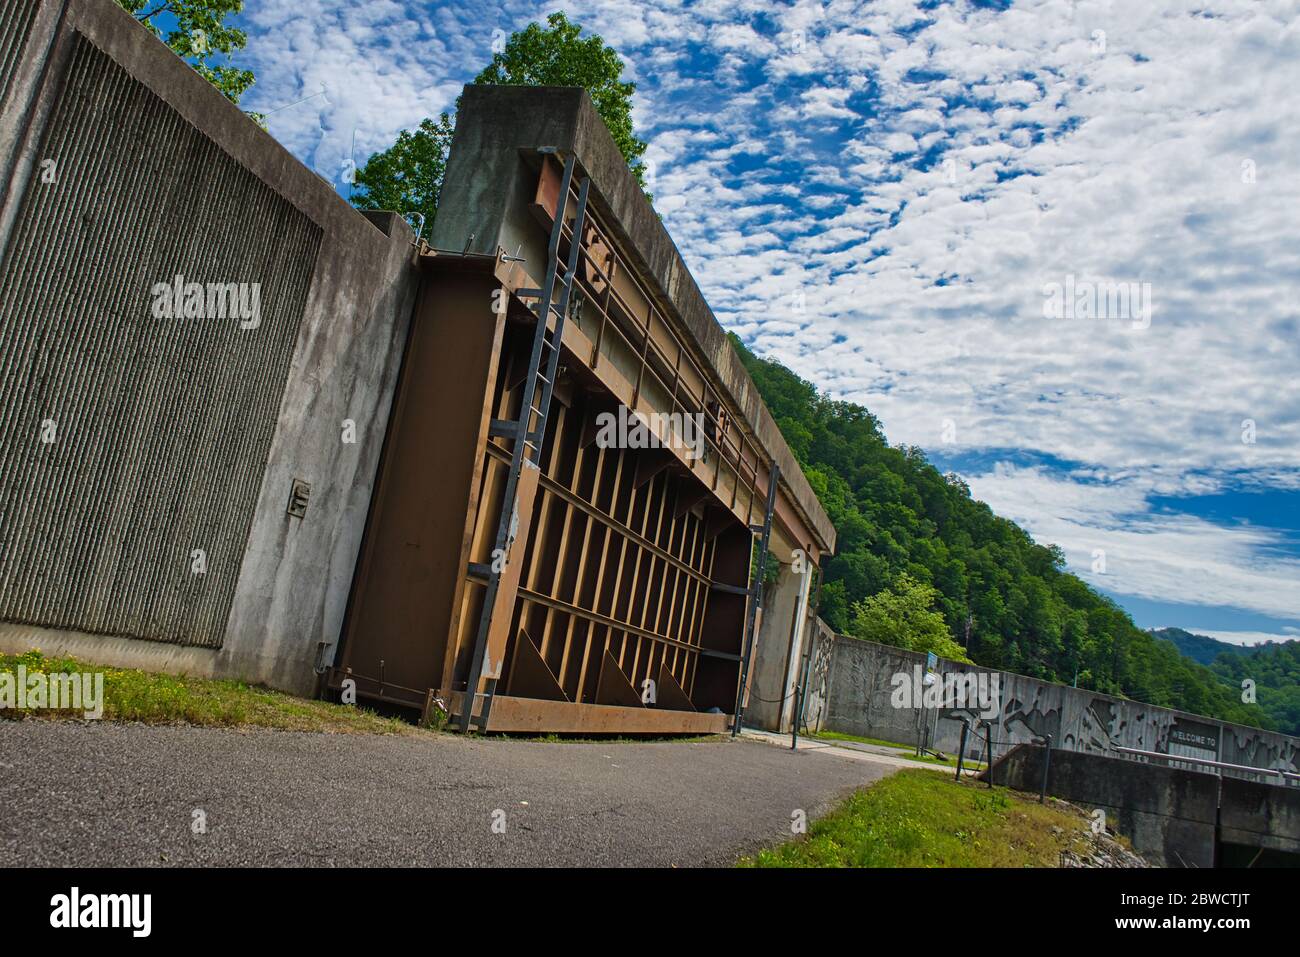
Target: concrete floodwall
<point>859,698</point>
<point>1255,814</point>
<point>1174,817</point>
<point>1169,814</point>
<point>151,450</point>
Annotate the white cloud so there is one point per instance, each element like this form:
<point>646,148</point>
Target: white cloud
<point>1113,540</point>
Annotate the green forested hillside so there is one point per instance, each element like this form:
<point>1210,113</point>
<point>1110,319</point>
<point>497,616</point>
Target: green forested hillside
<point>1273,666</point>
<point>1275,669</point>
<point>897,516</point>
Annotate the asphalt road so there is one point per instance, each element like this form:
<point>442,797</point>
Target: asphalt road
<point>103,794</point>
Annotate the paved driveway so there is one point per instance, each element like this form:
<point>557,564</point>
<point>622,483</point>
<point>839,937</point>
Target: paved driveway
<point>114,794</point>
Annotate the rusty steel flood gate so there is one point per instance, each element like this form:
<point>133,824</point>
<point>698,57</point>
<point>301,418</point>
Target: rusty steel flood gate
<point>595,587</point>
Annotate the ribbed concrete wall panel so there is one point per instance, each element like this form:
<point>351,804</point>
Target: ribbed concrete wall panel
<point>131,441</point>
<point>16,18</point>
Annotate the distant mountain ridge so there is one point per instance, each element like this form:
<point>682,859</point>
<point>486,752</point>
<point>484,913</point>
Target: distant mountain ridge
<point>1200,648</point>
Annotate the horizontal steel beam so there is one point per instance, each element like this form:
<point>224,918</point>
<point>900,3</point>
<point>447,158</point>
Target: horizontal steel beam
<point>535,716</point>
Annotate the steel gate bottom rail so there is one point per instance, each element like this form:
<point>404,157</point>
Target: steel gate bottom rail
<point>538,716</point>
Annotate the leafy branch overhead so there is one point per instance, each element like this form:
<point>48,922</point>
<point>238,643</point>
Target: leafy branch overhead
<point>407,176</point>
<point>560,56</point>
<point>197,32</point>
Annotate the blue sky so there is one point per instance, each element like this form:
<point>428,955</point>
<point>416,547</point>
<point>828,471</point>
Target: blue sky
<point>883,196</point>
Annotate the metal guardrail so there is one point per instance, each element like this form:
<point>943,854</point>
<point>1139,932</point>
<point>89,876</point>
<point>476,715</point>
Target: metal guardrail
<point>1267,772</point>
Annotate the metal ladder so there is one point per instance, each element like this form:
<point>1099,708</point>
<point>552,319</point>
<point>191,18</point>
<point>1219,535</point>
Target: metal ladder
<point>527,438</point>
<point>755,595</point>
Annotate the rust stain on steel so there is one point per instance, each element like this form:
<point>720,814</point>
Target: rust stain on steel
<point>409,578</point>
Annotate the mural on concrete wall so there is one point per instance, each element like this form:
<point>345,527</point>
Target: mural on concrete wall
<point>1030,716</point>
<point>819,676</point>
<point>1100,724</point>
<point>1257,750</point>
<point>861,676</point>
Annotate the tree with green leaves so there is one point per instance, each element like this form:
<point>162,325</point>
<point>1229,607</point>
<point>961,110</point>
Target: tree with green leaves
<point>903,615</point>
<point>1272,672</point>
<point>407,176</point>
<point>197,33</point>
<point>560,56</point>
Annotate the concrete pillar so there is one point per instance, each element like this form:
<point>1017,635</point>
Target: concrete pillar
<point>774,670</point>
<point>799,633</point>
